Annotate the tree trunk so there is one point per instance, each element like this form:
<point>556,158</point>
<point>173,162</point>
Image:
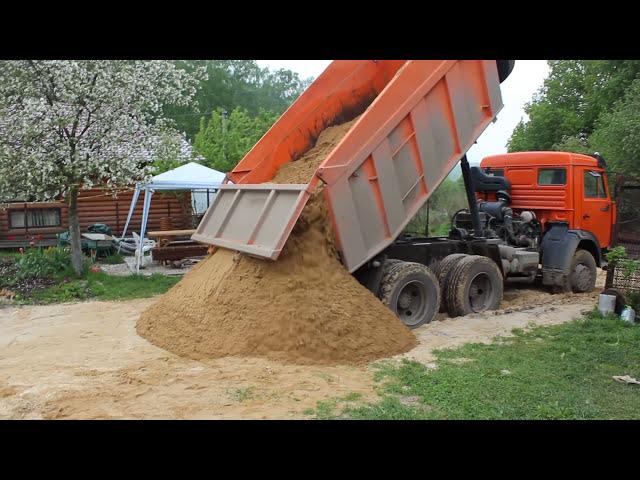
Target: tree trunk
<point>74,230</point>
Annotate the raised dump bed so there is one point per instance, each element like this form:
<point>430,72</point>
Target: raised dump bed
<point>417,119</point>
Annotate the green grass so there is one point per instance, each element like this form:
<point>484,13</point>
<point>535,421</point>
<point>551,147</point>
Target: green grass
<point>326,409</point>
<point>243,394</point>
<point>100,286</point>
<point>45,275</point>
<point>557,372</point>
<point>113,259</point>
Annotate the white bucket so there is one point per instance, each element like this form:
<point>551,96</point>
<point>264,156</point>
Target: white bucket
<point>606,303</point>
<point>628,315</point>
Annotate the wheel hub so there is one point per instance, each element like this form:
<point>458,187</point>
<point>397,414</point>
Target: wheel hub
<point>581,276</point>
<point>404,301</point>
<point>411,303</point>
<point>480,292</point>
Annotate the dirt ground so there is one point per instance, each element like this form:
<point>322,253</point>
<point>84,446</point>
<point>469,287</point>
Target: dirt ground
<point>86,361</point>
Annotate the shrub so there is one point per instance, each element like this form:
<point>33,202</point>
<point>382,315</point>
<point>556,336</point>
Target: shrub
<point>114,259</point>
<point>618,256</point>
<point>44,263</point>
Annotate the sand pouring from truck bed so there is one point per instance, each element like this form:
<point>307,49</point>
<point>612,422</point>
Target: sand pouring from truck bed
<point>303,308</point>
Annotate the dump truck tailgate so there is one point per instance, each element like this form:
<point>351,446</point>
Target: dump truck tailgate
<point>418,118</point>
<point>255,219</point>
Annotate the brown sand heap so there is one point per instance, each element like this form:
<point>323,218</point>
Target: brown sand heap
<point>303,308</point>
<point>302,170</point>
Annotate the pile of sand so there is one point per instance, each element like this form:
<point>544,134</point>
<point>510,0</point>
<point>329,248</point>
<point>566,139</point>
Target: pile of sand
<point>303,308</point>
<point>303,169</point>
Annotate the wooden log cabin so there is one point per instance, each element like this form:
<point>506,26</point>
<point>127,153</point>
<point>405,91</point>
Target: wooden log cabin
<point>37,223</point>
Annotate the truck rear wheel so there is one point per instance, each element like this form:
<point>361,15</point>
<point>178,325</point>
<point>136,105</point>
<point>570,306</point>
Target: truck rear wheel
<point>411,291</point>
<point>583,273</point>
<point>474,285</point>
<point>442,271</point>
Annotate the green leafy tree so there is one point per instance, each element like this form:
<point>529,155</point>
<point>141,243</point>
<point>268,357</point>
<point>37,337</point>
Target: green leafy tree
<point>224,138</point>
<point>576,144</point>
<point>565,112</point>
<point>447,199</point>
<point>173,152</point>
<point>617,135</point>
<point>236,83</point>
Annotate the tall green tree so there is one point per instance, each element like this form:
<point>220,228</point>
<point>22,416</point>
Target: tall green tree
<point>69,125</point>
<point>617,135</point>
<point>225,138</point>
<point>565,112</point>
<point>236,83</point>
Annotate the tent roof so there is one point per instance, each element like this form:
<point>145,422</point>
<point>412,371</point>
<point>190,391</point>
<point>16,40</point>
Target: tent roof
<point>188,176</point>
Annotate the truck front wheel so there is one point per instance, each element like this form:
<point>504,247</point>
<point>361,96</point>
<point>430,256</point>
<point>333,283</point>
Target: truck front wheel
<point>583,273</point>
<point>411,291</point>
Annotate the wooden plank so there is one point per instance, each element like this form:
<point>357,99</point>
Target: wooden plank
<point>170,233</point>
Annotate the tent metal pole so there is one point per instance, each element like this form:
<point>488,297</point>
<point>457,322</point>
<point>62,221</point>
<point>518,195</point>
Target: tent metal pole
<point>148,193</point>
<point>132,207</point>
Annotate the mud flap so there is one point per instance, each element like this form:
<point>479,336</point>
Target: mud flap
<point>558,246</point>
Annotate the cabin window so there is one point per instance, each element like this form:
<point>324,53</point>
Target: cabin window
<point>494,172</point>
<point>594,185</point>
<point>552,176</point>
<point>35,218</point>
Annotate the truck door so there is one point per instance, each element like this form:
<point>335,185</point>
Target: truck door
<point>596,207</point>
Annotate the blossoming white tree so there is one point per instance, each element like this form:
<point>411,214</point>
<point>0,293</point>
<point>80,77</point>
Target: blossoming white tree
<point>72,125</point>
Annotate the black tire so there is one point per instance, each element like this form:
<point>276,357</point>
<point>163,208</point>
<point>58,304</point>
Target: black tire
<point>442,271</point>
<point>411,291</point>
<point>474,285</point>
<point>388,263</point>
<point>620,301</point>
<point>583,272</point>
<point>386,266</point>
<point>505,67</point>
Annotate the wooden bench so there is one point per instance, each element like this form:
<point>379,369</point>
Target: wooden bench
<point>165,237</point>
<point>172,246</point>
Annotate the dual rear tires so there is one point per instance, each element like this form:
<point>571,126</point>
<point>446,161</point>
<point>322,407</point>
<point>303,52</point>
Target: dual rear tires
<point>473,284</point>
<point>461,284</point>
<point>411,291</point>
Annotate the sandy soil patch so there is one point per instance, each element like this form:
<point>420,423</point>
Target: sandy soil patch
<point>85,360</point>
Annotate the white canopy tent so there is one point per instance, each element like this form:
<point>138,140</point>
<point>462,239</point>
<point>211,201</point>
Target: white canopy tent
<point>190,176</point>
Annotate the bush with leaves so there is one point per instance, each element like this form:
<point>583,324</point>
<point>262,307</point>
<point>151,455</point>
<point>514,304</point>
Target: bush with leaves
<point>44,263</point>
<point>618,256</point>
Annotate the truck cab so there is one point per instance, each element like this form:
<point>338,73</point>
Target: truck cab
<point>563,200</point>
<point>558,187</point>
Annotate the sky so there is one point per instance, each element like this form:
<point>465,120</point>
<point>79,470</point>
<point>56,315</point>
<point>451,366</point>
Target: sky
<point>525,79</point>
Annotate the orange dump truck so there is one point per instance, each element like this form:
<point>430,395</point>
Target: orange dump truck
<point>416,121</point>
<point>418,118</point>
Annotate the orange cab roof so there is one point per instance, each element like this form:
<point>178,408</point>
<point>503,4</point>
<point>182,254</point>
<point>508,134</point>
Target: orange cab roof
<point>538,158</point>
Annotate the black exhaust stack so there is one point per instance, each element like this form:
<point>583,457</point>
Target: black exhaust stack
<point>471,198</point>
